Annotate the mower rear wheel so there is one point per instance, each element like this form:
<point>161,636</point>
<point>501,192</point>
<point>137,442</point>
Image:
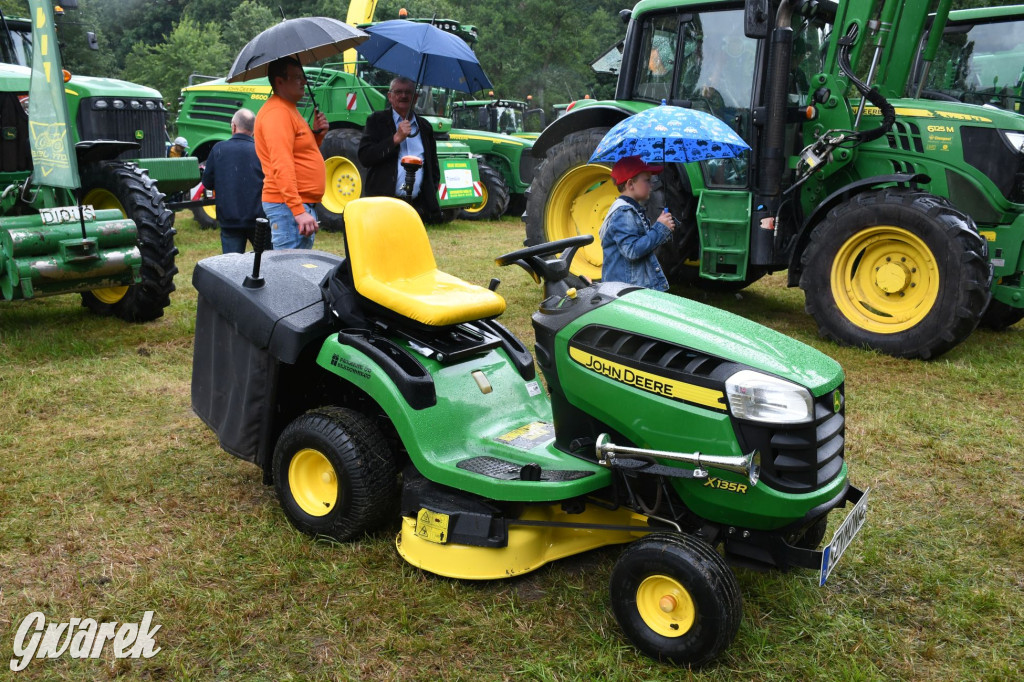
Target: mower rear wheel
<point>345,174</point>
<point>129,189</point>
<point>334,474</point>
<point>896,270</point>
<point>495,196</point>
<point>676,598</point>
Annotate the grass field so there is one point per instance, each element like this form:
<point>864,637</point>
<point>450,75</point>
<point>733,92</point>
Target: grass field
<point>115,500</point>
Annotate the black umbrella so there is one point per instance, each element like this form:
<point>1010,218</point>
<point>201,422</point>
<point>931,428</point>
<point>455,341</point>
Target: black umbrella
<point>308,39</point>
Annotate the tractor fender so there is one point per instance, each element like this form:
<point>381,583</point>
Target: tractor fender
<point>597,116</point>
<point>842,194</point>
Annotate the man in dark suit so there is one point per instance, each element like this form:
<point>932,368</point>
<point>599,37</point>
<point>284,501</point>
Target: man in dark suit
<point>392,134</point>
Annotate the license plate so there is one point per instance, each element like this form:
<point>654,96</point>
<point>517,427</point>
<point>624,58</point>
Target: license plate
<point>432,526</point>
<point>65,214</point>
<point>844,535</point>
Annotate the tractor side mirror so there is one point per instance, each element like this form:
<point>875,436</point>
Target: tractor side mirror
<point>90,40</point>
<point>756,19</point>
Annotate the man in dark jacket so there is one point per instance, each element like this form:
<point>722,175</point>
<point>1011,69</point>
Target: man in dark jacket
<point>392,134</point>
<point>234,172</point>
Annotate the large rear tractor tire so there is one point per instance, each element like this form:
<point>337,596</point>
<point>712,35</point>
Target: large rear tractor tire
<point>334,474</point>
<point>345,176</point>
<point>129,189</point>
<point>896,270</point>
<point>570,197</point>
<point>495,196</point>
<point>1000,316</point>
<point>676,598</point>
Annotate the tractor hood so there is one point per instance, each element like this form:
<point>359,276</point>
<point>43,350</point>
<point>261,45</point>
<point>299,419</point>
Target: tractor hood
<point>938,113</point>
<point>15,78</point>
<point>717,333</point>
<point>91,86</point>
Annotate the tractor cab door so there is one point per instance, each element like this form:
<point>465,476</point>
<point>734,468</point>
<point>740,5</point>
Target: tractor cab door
<point>702,61</point>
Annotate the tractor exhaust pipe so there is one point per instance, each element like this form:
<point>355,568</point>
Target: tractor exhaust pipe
<point>748,465</point>
<point>773,156</point>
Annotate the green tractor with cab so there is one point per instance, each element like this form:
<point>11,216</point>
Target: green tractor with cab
<point>374,390</point>
<point>80,209</point>
<point>901,218</point>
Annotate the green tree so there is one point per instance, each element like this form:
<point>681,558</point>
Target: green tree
<point>247,20</point>
<point>191,47</point>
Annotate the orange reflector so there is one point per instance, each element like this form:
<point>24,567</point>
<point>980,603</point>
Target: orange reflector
<point>67,75</point>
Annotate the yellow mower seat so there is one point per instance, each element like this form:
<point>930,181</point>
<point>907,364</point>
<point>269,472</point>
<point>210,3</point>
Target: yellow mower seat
<point>394,267</point>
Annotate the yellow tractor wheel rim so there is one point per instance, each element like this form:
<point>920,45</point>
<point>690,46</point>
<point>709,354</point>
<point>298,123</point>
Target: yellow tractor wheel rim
<point>313,482</point>
<point>578,205</point>
<point>343,184</point>
<point>101,199</point>
<point>665,606</point>
<point>210,210</point>
<point>885,279</point>
<point>476,208</point>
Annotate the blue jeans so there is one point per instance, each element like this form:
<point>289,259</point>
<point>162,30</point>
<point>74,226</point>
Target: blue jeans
<point>233,239</point>
<point>284,231</point>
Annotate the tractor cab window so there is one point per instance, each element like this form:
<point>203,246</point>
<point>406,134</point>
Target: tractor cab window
<point>704,61</point>
<point>15,45</point>
<point>658,56</point>
<point>980,64</point>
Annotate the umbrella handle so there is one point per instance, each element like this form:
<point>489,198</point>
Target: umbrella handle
<point>316,131</point>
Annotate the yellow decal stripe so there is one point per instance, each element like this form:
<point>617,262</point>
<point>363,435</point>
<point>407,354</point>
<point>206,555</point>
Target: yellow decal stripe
<point>652,383</point>
<point>464,136</point>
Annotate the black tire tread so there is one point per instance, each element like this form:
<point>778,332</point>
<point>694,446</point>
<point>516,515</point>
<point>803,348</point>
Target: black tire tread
<point>339,142</point>
<point>497,195</point>
<point>367,465</point>
<point>143,202</point>
<point>706,643</point>
<point>956,314</point>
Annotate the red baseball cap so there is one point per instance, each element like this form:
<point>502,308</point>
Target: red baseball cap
<point>631,166</point>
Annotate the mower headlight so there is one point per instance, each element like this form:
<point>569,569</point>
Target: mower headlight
<point>763,398</point>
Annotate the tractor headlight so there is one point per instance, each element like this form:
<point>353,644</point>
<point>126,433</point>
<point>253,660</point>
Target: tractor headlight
<point>1015,139</point>
<point>763,398</point>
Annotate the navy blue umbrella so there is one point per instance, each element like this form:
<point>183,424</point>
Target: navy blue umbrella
<point>425,54</point>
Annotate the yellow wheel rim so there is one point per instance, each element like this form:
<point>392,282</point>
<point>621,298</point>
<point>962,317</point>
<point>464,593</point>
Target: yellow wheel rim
<point>476,208</point>
<point>343,184</point>
<point>578,205</point>
<point>885,279</point>
<point>313,482</point>
<point>101,199</point>
<point>665,605</point>
<point>210,210</point>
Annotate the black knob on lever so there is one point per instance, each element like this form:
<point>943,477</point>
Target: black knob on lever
<point>411,164</point>
<point>260,242</point>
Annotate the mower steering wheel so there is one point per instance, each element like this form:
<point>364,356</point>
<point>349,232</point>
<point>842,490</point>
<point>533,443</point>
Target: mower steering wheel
<point>532,258</point>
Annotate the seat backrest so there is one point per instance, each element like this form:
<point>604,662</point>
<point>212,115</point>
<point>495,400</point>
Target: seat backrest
<point>386,240</point>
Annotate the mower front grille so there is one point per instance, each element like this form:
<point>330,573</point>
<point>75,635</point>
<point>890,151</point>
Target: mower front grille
<point>804,457</point>
<point>647,353</point>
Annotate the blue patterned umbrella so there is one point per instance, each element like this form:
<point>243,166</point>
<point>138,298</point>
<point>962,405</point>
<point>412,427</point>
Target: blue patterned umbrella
<point>669,134</point>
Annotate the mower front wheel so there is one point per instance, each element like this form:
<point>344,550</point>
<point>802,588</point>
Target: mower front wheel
<point>676,598</point>
<point>334,474</point>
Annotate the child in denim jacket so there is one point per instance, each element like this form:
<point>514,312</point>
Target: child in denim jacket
<point>628,239</point>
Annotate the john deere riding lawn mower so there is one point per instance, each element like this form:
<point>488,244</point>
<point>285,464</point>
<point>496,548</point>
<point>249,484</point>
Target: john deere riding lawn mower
<point>374,385</point>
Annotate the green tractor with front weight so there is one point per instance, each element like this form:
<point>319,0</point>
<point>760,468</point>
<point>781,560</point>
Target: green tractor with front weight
<point>374,387</point>
<point>74,216</point>
<point>902,219</point>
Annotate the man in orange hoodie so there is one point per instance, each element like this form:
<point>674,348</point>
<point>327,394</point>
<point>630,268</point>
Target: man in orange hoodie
<point>289,152</point>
